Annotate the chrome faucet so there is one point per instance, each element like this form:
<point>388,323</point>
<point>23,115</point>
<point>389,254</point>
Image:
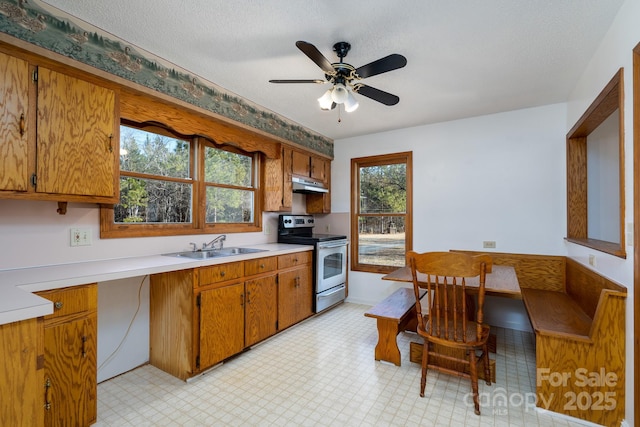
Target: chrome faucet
<point>212,244</point>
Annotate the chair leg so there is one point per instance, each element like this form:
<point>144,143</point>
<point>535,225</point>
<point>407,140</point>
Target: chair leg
<point>425,366</point>
<point>487,367</point>
<point>474,380</point>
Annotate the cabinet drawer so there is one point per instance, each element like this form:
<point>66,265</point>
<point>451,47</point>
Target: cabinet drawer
<point>71,300</point>
<point>260,265</point>
<point>221,273</point>
<point>292,260</point>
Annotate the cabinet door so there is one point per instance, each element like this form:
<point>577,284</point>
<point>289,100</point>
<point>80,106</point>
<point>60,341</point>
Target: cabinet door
<point>261,309</point>
<point>287,185</point>
<point>305,292</point>
<point>318,168</point>
<point>294,296</point>
<point>77,137</point>
<point>300,164</point>
<point>21,375</point>
<point>221,323</point>
<point>70,372</point>
<point>14,101</point>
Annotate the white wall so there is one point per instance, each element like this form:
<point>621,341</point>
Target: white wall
<point>498,177</point>
<point>614,52</point>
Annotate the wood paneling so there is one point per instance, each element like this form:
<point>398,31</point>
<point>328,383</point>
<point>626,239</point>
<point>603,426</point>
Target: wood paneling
<point>171,313</point>
<point>295,295</point>
<point>70,360</point>
<point>294,260</point>
<point>546,272</point>
<point>606,103</point>
<point>70,366</point>
<point>140,108</point>
<point>221,323</point>
<point>76,138</point>
<point>261,310</point>
<point>221,273</point>
<point>603,359</point>
<point>636,224</point>
<point>21,374</point>
<point>14,123</point>
<point>260,265</point>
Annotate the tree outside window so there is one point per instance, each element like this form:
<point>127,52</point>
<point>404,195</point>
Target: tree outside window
<point>175,184</point>
<point>381,212</point>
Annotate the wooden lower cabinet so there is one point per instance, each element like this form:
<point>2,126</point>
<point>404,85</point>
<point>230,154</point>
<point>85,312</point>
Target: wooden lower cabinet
<point>200,317</point>
<point>221,323</point>
<point>295,289</point>
<point>21,373</point>
<point>261,309</point>
<point>70,357</point>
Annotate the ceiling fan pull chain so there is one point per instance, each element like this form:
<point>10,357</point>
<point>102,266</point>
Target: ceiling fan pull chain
<point>339,119</point>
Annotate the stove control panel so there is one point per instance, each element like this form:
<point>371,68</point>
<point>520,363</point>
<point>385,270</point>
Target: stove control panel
<point>295,221</point>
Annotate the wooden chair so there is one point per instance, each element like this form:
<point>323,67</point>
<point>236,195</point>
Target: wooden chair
<point>450,321</point>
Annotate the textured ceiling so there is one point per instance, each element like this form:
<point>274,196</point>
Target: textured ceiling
<point>465,57</point>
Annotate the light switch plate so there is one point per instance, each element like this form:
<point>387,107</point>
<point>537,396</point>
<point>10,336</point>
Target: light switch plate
<point>80,237</point>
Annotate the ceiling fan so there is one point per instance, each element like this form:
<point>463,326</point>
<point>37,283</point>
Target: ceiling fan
<point>345,77</point>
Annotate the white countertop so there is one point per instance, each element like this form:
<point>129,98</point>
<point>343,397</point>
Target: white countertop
<point>17,301</point>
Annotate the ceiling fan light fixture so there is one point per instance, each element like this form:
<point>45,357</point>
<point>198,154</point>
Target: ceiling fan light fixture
<point>351,104</point>
<point>339,94</point>
<point>325,100</point>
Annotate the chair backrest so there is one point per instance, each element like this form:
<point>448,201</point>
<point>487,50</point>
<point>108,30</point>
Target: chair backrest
<point>443,275</point>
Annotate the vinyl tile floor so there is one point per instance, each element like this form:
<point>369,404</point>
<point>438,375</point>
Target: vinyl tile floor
<point>322,372</point>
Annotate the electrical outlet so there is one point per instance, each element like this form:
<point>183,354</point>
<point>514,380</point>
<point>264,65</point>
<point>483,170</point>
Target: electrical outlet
<point>592,260</point>
<point>80,237</point>
<point>489,244</point>
<point>267,229</point>
<point>327,228</point>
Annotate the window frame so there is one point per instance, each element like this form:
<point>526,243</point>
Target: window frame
<point>379,160</point>
<point>611,99</point>
<point>198,225</point>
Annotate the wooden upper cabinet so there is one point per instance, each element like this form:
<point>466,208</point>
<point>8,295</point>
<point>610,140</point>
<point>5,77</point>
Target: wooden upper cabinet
<point>14,113</point>
<point>301,164</point>
<point>77,137</point>
<point>319,168</point>
<point>277,187</point>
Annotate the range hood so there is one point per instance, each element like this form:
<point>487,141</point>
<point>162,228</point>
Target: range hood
<point>301,185</point>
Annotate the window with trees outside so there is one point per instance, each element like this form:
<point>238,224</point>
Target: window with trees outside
<point>381,224</point>
<point>165,190</point>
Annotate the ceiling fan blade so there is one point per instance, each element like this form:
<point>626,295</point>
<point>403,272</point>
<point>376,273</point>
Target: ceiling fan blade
<point>299,81</point>
<point>382,65</point>
<point>314,54</point>
<point>377,95</point>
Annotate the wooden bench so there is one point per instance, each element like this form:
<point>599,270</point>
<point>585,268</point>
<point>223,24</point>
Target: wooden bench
<point>578,317</point>
<point>394,314</point>
<point>397,313</point>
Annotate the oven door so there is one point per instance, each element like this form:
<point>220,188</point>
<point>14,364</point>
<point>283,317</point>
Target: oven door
<point>331,264</point>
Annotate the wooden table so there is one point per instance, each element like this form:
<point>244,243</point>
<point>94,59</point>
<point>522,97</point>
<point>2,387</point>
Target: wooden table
<point>397,312</point>
<point>501,282</point>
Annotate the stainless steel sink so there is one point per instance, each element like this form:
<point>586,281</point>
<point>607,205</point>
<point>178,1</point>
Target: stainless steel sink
<point>215,253</point>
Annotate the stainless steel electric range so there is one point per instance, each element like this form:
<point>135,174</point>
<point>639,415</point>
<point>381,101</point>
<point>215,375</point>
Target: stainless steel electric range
<point>330,258</point>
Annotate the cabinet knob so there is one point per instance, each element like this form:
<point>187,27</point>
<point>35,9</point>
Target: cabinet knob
<point>261,265</point>
<point>222,273</point>
<point>58,305</point>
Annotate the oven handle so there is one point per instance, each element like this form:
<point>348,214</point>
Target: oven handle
<point>339,289</point>
<point>327,245</point>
